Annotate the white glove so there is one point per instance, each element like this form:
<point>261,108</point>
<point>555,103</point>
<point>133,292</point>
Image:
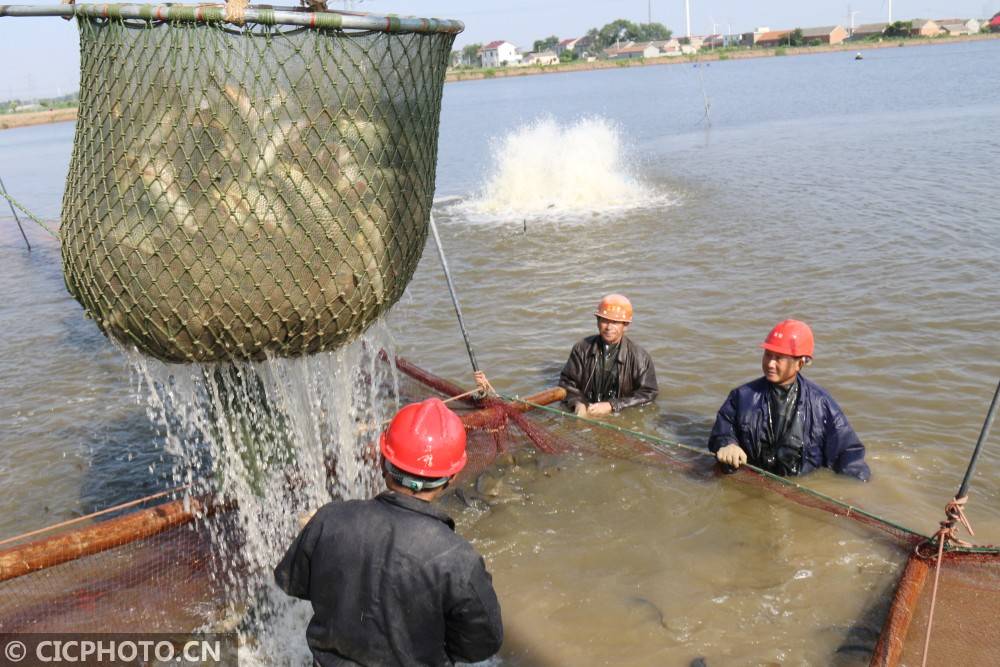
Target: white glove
<point>732,455</point>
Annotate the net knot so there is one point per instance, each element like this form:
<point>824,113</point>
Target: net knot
<point>483,385</point>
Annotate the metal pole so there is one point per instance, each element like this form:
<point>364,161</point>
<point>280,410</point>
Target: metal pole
<point>454,296</point>
<point>12,210</point>
<point>983,434</point>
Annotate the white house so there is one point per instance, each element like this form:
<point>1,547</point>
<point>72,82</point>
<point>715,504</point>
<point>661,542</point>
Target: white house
<point>540,58</point>
<point>566,45</point>
<point>500,54</point>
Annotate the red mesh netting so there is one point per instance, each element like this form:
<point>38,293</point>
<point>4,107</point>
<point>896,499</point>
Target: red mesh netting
<point>964,631</point>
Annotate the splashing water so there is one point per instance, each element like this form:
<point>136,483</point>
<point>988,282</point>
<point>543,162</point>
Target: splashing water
<point>278,438</point>
<point>552,170</point>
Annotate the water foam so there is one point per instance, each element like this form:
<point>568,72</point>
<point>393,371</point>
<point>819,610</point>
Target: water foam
<point>548,169</point>
<point>280,437</point>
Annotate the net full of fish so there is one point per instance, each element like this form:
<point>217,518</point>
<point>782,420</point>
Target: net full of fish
<point>239,193</point>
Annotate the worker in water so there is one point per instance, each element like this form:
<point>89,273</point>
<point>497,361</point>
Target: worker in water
<point>390,581</point>
<point>783,422</point>
<point>608,372</point>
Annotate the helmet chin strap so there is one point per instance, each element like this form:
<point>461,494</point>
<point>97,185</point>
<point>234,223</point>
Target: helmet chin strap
<point>415,484</point>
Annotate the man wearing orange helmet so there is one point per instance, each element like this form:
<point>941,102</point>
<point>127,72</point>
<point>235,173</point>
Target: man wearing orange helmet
<point>783,422</point>
<point>390,581</point>
<point>608,372</point>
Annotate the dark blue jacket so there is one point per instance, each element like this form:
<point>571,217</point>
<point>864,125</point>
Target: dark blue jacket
<point>828,439</point>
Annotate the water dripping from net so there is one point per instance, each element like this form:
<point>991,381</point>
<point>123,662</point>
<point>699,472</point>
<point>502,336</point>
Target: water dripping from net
<point>275,439</point>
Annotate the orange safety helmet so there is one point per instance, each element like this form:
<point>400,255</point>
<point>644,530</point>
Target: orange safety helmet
<point>425,439</point>
<point>615,307</point>
<point>790,337</point>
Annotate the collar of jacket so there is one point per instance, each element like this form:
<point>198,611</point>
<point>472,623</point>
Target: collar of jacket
<point>806,386</point>
<point>624,347</point>
<point>417,505</point>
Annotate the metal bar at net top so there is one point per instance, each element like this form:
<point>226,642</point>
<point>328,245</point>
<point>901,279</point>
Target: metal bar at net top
<point>258,15</point>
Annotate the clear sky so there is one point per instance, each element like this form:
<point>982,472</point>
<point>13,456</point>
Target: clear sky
<point>39,57</point>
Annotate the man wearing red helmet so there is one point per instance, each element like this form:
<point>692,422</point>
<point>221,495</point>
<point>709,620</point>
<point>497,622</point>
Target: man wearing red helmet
<point>390,581</point>
<point>608,372</point>
<point>783,422</point>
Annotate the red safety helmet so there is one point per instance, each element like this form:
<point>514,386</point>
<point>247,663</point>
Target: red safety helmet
<point>615,307</point>
<point>790,337</point>
<point>425,439</point>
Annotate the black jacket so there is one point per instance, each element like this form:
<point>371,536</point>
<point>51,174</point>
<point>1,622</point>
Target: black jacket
<point>828,439</point>
<point>636,375</point>
<point>391,583</point>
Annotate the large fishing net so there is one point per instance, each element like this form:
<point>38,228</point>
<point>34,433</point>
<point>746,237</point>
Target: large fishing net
<point>242,191</point>
<point>162,568</point>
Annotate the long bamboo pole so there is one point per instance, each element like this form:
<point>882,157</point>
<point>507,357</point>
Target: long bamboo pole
<point>261,16</point>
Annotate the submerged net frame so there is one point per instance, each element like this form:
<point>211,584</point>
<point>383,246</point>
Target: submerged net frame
<point>238,190</point>
<point>154,568</point>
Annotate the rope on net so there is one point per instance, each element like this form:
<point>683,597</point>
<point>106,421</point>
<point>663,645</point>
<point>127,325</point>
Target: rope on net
<point>955,515</point>
<point>664,446</point>
<point>13,202</point>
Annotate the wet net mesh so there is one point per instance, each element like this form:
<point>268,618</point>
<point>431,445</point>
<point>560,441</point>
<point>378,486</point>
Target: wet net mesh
<point>236,192</point>
<point>172,580</point>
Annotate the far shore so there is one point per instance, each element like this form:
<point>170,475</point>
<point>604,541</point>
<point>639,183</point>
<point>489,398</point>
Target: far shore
<point>726,54</point>
<point>13,120</point>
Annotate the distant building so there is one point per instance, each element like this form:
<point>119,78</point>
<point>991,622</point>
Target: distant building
<point>632,50</point>
<point>869,31</point>
<point>995,23</point>
<point>772,38</point>
<point>567,45</point>
<point>694,42</point>
<point>959,26</point>
<point>540,58</point>
<point>714,41</point>
<point>668,47</point>
<point>924,28</point>
<point>834,34</point>
<point>500,54</point>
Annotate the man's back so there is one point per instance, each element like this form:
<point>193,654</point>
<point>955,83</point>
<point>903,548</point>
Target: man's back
<point>391,583</point>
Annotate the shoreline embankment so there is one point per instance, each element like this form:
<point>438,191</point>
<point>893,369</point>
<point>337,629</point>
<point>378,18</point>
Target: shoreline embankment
<point>724,54</point>
<point>13,120</point>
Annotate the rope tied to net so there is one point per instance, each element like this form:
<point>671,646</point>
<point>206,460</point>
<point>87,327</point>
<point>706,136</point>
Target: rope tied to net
<point>31,216</point>
<point>955,514</point>
<point>236,11</point>
<point>948,532</point>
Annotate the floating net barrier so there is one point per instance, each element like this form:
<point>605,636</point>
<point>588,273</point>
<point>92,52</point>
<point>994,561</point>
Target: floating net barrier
<point>247,186</point>
<point>157,568</point>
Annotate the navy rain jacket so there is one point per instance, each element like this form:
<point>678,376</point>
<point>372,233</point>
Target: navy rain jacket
<point>828,439</point>
<point>391,583</point>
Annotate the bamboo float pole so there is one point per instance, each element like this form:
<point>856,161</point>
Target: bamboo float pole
<point>51,551</point>
<point>490,415</point>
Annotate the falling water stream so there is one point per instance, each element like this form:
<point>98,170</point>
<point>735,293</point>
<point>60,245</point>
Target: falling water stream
<point>277,439</point>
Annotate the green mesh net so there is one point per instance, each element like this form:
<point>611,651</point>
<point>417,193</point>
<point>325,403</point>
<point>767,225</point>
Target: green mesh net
<point>235,193</point>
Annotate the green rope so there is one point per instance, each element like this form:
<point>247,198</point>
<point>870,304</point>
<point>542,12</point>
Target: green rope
<point>658,444</point>
<point>28,213</point>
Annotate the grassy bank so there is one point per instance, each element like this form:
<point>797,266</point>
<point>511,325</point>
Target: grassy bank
<point>12,120</point>
<point>708,56</point>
